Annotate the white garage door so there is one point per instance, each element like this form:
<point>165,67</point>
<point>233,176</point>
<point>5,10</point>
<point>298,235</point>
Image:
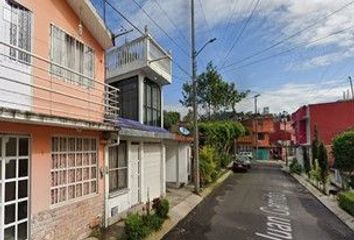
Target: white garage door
<point>152,170</point>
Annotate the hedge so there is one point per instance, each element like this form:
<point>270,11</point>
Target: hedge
<point>346,202</point>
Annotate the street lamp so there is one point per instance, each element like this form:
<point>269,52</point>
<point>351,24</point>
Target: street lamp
<point>195,104</point>
<point>205,44</point>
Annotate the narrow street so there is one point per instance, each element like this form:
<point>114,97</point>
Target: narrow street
<point>264,203</point>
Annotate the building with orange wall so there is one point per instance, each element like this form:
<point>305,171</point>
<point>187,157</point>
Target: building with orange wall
<point>55,118</point>
<point>259,131</point>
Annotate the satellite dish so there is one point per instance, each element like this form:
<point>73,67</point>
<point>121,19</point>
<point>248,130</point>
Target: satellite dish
<point>184,131</point>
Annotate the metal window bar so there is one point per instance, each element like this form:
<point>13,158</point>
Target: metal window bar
<point>108,99</point>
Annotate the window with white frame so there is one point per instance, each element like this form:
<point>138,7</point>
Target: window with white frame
<point>73,54</point>
<point>118,167</point>
<point>74,168</point>
<point>17,30</point>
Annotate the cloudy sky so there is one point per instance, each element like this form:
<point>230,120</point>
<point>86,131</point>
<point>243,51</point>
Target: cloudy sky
<point>292,52</point>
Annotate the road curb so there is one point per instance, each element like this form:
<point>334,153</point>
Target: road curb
<point>180,211</point>
<point>331,205</point>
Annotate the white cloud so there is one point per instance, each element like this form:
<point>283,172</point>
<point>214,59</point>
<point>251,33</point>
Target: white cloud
<point>290,15</point>
<point>291,96</point>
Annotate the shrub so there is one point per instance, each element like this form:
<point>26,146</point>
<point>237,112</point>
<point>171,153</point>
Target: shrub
<point>343,150</point>
<point>135,228</point>
<point>161,207</point>
<point>346,202</point>
<point>323,164</point>
<point>226,159</point>
<point>208,164</point>
<point>315,173</point>
<point>314,146</point>
<point>153,222</point>
<point>307,165</point>
<point>295,167</point>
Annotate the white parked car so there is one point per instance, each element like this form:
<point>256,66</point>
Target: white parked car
<point>244,159</point>
<point>248,154</point>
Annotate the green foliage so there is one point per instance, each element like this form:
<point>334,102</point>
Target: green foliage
<point>208,164</point>
<point>343,150</point>
<point>135,227</point>
<point>153,222</point>
<point>213,93</point>
<point>323,164</point>
<point>221,134</point>
<point>346,202</point>
<point>315,173</point>
<point>161,207</point>
<point>314,146</point>
<point>295,167</point>
<point>138,227</point>
<point>225,160</point>
<point>170,119</point>
<point>305,156</point>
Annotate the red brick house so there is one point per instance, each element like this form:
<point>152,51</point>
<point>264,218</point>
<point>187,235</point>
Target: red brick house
<point>329,118</point>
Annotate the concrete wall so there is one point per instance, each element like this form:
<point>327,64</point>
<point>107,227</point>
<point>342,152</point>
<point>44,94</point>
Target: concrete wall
<point>68,220</point>
<point>152,179</point>
<point>60,14</point>
<point>178,161</point>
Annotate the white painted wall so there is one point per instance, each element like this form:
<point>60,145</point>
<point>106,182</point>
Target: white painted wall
<point>183,162</point>
<point>171,163</point>
<point>178,162</point>
<point>152,171</point>
<point>152,180</point>
<point>21,97</point>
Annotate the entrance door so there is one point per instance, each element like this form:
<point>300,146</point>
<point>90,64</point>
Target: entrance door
<point>14,187</point>
<point>134,174</point>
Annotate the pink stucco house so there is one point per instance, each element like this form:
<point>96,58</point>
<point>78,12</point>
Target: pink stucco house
<point>55,115</point>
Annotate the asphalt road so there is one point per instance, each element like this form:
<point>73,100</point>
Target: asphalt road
<point>264,203</point>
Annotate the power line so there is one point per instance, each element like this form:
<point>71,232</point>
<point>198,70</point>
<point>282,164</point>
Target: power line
<point>142,33</point>
<point>291,36</point>
<point>241,32</point>
<point>171,21</point>
<point>124,17</point>
<point>161,29</point>
<point>291,49</point>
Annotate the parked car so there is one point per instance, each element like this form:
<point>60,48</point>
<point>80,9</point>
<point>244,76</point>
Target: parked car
<point>245,160</point>
<point>248,154</point>
<point>239,166</point>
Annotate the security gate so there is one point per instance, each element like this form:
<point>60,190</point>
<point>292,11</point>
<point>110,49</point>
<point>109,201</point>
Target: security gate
<point>14,187</point>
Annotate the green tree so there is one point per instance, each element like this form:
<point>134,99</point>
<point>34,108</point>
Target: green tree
<point>323,164</point>
<point>213,93</point>
<point>343,151</point>
<point>170,119</point>
<point>307,165</point>
<point>314,146</point>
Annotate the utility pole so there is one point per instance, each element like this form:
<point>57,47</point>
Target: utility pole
<point>286,143</point>
<point>351,86</point>
<point>195,104</point>
<point>256,117</point>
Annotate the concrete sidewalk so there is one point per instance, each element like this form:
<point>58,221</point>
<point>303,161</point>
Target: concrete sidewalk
<point>181,210</point>
<point>328,202</point>
<point>182,202</point>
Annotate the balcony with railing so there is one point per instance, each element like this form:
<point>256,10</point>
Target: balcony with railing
<point>142,54</point>
<point>32,87</point>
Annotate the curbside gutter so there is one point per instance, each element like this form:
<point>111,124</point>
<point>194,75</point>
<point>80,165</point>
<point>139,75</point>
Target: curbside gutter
<point>180,211</point>
<point>329,203</point>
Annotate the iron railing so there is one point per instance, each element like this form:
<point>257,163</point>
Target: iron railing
<point>36,85</point>
<point>139,53</point>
